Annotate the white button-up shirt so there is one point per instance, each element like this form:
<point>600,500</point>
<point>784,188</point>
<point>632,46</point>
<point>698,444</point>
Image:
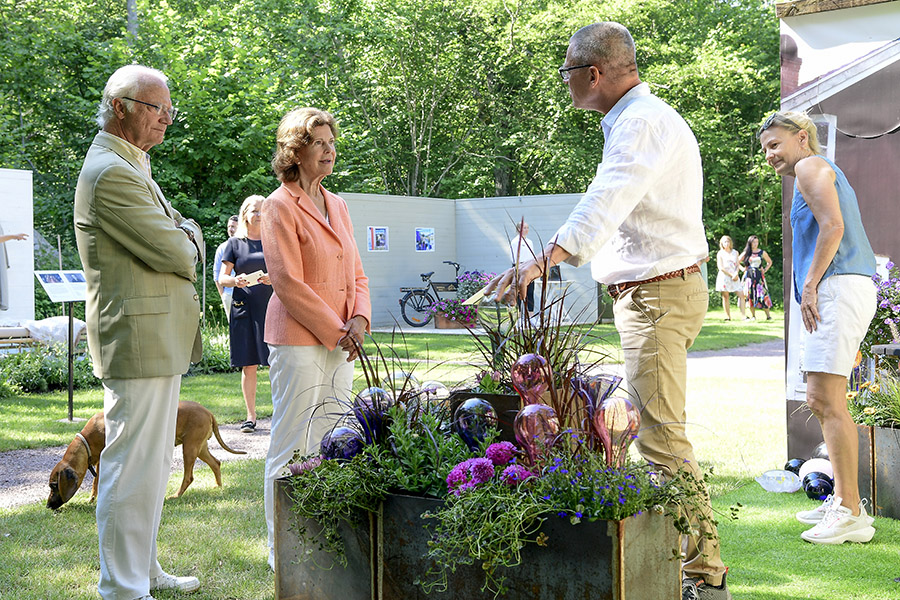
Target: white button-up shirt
<point>642,215</point>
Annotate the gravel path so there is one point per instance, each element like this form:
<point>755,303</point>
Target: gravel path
<point>24,473</point>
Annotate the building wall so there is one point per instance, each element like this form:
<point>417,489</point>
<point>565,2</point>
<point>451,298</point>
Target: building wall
<point>472,232</point>
<point>17,210</point>
<point>401,265</point>
<point>485,227</point>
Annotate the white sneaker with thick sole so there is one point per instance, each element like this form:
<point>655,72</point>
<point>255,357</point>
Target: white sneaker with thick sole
<point>811,517</point>
<point>838,525</point>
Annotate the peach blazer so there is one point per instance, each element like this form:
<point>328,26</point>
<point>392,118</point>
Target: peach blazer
<point>315,269</point>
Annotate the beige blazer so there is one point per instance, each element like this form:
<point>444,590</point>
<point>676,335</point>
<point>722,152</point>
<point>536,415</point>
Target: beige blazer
<point>315,268</point>
<point>139,257</point>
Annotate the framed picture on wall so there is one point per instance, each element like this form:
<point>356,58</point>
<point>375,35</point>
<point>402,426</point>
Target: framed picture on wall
<point>424,239</point>
<point>377,239</point>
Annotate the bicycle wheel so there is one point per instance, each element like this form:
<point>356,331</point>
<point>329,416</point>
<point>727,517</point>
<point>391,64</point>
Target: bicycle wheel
<point>414,307</point>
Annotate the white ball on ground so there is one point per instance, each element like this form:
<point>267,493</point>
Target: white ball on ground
<point>816,464</point>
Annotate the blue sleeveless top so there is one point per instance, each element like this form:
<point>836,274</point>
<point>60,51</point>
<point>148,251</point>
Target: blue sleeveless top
<point>854,255</point>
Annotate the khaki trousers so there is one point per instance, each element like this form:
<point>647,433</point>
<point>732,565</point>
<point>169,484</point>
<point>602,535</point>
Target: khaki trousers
<point>657,323</point>
<point>140,439</point>
<point>310,391</point>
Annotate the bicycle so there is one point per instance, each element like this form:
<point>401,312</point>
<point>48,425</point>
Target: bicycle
<point>415,304</point>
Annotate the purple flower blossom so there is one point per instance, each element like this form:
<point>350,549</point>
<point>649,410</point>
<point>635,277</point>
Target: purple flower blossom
<point>889,265</point>
<point>514,474</point>
<point>500,453</point>
<point>468,474</point>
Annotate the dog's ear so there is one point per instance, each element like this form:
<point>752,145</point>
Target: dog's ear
<point>68,484</point>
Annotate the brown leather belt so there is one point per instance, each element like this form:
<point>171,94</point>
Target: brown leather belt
<point>617,288</point>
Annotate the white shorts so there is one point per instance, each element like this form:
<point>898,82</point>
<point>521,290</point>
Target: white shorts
<point>846,307</point>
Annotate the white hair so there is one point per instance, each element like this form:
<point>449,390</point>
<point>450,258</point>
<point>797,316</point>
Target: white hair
<point>126,81</point>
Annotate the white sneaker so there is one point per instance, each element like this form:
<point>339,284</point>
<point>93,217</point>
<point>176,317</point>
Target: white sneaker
<point>839,526</point>
<point>811,517</point>
<point>170,582</point>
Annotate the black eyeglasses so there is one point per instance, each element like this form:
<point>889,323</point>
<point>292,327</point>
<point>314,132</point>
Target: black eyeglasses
<point>564,71</point>
<point>172,112</point>
<point>771,121</point>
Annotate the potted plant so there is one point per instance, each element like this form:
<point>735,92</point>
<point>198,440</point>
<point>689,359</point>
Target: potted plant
<point>875,408</point>
<point>452,314</point>
<point>416,495</point>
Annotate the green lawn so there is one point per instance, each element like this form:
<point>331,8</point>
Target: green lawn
<point>735,420</point>
<point>39,420</point>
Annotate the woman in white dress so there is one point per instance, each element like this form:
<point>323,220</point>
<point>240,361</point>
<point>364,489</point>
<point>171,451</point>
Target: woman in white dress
<point>728,280</point>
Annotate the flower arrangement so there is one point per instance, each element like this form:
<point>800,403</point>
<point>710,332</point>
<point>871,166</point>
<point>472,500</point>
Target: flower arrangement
<point>883,328</point>
<point>569,462</point>
<point>454,310</point>
<point>876,403</point>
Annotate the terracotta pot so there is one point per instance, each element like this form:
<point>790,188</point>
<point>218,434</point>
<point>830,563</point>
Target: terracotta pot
<point>442,322</point>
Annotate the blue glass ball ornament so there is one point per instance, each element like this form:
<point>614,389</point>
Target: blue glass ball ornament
<point>794,465</point>
<point>821,451</point>
<point>369,408</point>
<point>341,443</point>
<point>471,420</point>
<point>813,475</point>
<point>819,489</point>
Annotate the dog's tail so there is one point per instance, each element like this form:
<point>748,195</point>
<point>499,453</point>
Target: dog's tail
<point>215,428</point>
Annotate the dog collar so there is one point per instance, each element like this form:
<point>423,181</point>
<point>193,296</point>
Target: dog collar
<point>87,447</point>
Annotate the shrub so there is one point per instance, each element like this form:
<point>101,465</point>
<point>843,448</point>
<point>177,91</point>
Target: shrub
<point>45,368</point>
<point>216,352</point>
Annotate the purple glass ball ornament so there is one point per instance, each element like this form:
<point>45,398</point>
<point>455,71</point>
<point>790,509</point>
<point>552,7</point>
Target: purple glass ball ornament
<point>341,443</point>
<point>369,408</point>
<point>537,428</point>
<point>616,423</point>
<point>471,420</point>
<point>593,390</point>
<point>530,376</point>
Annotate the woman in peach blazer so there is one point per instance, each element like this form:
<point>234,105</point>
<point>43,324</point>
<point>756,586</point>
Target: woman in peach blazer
<point>320,310</point>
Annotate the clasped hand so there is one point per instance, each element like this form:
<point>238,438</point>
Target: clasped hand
<point>355,329</point>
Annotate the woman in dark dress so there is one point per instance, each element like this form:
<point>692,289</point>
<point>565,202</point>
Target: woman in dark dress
<point>244,254</point>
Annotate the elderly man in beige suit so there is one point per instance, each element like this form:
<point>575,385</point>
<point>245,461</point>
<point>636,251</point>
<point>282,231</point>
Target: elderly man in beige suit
<point>143,315</point>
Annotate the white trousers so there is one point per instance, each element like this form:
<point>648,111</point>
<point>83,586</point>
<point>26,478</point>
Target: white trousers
<point>135,464</point>
<point>310,390</point>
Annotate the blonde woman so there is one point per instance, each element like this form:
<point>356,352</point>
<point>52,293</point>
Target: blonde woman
<point>728,280</point>
<point>243,255</point>
<point>833,265</point>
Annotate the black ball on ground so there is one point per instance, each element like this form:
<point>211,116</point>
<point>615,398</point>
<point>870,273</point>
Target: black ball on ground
<point>821,451</point>
<point>794,465</point>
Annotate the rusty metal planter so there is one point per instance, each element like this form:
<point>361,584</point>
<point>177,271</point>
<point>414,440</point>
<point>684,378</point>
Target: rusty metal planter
<point>879,461</point>
<point>604,560</point>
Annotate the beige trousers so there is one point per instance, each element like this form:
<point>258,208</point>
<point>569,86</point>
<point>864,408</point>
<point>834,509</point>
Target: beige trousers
<point>657,323</point>
<point>140,439</point>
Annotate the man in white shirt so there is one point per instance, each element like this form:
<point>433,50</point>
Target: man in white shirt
<point>640,225</point>
<point>224,292</point>
<point>521,250</point>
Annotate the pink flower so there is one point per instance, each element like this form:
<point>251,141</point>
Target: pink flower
<point>308,465</point>
<point>514,474</point>
<point>500,453</point>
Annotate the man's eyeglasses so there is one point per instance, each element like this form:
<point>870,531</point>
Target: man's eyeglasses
<point>771,121</point>
<point>564,71</point>
<point>172,112</point>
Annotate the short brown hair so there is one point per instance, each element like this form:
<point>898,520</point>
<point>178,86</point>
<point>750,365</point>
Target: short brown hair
<point>295,132</point>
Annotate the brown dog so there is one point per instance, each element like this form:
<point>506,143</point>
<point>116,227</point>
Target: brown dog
<point>194,426</point>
